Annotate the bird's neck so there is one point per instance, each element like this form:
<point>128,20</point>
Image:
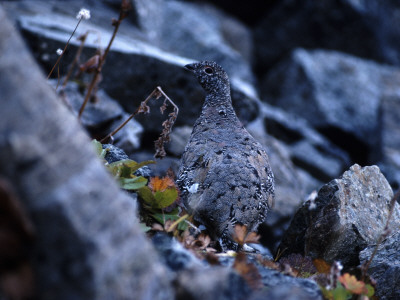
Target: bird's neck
<point>218,110</point>
<point>218,98</point>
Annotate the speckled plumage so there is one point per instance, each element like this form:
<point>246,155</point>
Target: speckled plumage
<point>225,176</point>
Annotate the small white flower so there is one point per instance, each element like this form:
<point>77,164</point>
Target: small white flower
<point>59,51</point>
<point>339,265</point>
<point>193,188</point>
<point>83,14</point>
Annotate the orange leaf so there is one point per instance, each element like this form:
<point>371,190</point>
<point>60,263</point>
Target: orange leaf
<point>322,266</point>
<point>240,233</point>
<point>158,184</point>
<point>252,238</point>
<point>351,284</point>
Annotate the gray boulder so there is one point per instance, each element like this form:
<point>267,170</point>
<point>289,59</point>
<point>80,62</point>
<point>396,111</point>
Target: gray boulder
<point>390,163</point>
<point>349,215</point>
<point>88,241</point>
<point>308,149</point>
<point>362,28</point>
<point>102,116</point>
<point>198,30</point>
<point>385,267</point>
<point>282,286</point>
<point>338,94</point>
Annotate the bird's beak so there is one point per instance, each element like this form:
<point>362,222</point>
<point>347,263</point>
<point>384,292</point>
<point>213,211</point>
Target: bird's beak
<point>189,67</point>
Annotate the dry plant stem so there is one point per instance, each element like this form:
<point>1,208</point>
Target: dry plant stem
<point>156,94</point>
<point>101,63</point>
<point>65,48</point>
<point>76,59</point>
<point>173,225</point>
<point>383,236</point>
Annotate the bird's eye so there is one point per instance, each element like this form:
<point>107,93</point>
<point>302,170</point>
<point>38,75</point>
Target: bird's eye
<point>209,70</point>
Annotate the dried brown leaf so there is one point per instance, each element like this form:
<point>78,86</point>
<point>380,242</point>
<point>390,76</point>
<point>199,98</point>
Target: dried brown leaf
<point>143,108</point>
<point>211,258</point>
<point>240,234</point>
<point>164,106</point>
<point>252,237</point>
<point>201,242</point>
<point>91,65</point>
<point>322,266</point>
<point>157,227</point>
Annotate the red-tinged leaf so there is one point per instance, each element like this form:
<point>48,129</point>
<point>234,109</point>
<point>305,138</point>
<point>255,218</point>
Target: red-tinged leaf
<point>91,64</point>
<point>158,184</point>
<point>353,285</point>
<point>240,234</point>
<point>252,238</point>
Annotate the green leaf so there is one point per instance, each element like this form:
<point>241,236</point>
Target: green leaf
<point>161,218</point>
<point>340,293</point>
<point>142,164</point>
<point>166,198</point>
<point>144,227</point>
<point>147,196</point>
<point>371,290</point>
<point>132,183</point>
<point>99,148</point>
<point>126,167</point>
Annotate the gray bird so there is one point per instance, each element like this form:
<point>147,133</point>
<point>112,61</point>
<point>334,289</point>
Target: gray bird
<point>225,176</point>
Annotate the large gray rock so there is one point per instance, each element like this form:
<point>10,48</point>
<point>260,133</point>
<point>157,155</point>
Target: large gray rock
<point>218,283</point>
<point>364,28</point>
<point>282,286</point>
<point>350,215</point>
<point>390,163</point>
<point>385,267</point>
<point>88,241</point>
<point>338,94</point>
<point>198,30</point>
<point>308,149</point>
<point>285,292</point>
<point>102,116</point>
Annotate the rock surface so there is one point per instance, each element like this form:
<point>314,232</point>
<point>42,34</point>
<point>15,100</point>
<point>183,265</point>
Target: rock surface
<point>350,215</point>
<point>86,228</point>
<point>362,28</point>
<point>101,116</point>
<point>385,267</point>
<point>338,94</point>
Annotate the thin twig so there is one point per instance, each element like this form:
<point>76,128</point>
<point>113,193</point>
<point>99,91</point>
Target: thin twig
<point>76,59</point>
<point>65,48</point>
<point>143,108</point>
<point>116,23</point>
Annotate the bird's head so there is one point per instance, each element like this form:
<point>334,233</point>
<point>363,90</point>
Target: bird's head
<point>211,76</point>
